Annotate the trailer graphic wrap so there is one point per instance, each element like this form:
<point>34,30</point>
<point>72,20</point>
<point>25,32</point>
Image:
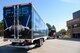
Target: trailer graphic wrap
<point>25,15</point>
<point>17,21</point>
<point>8,16</point>
<point>25,21</point>
<point>8,20</point>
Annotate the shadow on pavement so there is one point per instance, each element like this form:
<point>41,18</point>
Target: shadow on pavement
<point>4,49</point>
<point>70,39</point>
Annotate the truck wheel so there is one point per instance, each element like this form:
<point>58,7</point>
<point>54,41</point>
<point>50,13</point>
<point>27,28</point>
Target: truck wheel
<point>39,43</point>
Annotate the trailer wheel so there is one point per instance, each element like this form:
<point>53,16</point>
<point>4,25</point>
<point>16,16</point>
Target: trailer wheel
<point>39,43</point>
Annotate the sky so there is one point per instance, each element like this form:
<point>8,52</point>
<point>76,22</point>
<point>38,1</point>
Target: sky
<point>54,12</point>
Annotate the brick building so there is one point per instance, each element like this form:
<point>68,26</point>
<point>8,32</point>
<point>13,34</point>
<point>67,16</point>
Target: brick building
<point>74,25</point>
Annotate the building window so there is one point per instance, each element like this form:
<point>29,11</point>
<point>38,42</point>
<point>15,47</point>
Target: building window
<point>75,25</point>
<point>69,27</point>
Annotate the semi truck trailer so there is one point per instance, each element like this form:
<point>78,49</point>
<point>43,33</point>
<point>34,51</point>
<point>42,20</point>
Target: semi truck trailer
<point>23,26</point>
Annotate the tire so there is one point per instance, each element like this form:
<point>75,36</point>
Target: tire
<point>39,43</point>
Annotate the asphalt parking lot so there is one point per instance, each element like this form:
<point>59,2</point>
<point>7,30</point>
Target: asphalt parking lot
<point>49,46</point>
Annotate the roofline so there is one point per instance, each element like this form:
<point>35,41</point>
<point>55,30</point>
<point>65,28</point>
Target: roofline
<point>18,4</point>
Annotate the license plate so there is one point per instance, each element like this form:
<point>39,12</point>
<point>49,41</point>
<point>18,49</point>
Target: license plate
<point>16,40</point>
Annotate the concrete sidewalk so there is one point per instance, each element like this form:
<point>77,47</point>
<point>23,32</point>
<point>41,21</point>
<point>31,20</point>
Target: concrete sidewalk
<point>2,43</point>
<point>1,40</point>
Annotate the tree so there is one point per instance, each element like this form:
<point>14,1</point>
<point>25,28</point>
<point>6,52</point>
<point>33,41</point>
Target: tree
<point>62,31</point>
<point>1,25</point>
<point>53,27</point>
<point>49,26</point>
<point>1,28</point>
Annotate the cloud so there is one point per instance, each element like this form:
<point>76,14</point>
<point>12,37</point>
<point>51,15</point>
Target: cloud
<point>71,1</point>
